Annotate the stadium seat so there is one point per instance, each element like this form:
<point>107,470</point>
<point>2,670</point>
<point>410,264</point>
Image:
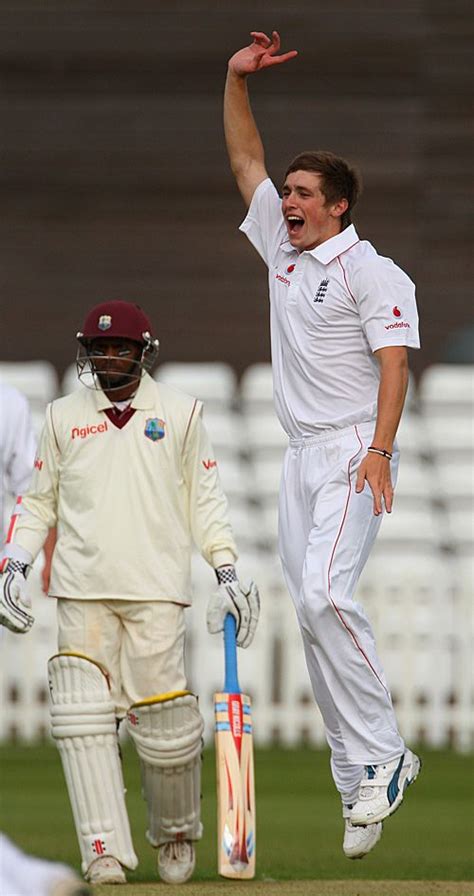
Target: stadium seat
<point>455,484</point>
<point>37,380</point>
<point>411,530</point>
<point>263,436</point>
<point>451,439</point>
<point>412,437</point>
<point>266,475</point>
<point>447,390</point>
<point>416,485</point>
<point>256,389</point>
<point>460,529</point>
<point>213,383</point>
<point>235,478</point>
<point>70,381</point>
<point>225,431</point>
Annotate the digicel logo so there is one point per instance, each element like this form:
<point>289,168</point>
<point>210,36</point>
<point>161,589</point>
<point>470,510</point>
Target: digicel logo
<point>81,432</point>
<point>396,312</point>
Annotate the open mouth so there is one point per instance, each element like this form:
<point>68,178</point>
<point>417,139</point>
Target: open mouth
<point>294,224</point>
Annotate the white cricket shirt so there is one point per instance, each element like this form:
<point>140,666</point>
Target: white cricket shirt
<point>331,308</point>
<point>128,502</point>
<point>17,445</point>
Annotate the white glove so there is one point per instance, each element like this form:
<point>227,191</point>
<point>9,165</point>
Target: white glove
<point>232,597</point>
<point>14,601</point>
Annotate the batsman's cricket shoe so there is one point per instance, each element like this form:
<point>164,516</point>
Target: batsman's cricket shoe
<point>360,840</point>
<point>382,788</point>
<point>106,870</point>
<point>176,861</point>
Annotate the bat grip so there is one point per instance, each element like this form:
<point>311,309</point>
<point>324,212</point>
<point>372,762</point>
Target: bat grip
<point>231,684</point>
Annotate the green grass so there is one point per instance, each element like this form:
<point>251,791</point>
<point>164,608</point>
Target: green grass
<point>299,821</point>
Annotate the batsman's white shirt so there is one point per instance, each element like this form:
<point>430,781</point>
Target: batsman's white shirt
<point>127,502</point>
<point>331,308</point>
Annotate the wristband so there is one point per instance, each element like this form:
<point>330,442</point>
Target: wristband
<point>380,451</point>
<point>226,574</point>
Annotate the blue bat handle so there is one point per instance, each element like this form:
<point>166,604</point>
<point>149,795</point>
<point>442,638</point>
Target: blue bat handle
<point>231,685</point>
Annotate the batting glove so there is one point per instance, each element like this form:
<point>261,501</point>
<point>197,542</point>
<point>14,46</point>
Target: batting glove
<point>232,597</point>
<point>14,601</point>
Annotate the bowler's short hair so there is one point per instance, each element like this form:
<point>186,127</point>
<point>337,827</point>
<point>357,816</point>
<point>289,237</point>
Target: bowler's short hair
<point>338,179</point>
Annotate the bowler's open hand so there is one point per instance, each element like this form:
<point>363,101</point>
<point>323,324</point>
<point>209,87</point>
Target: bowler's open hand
<point>260,54</point>
<point>376,471</point>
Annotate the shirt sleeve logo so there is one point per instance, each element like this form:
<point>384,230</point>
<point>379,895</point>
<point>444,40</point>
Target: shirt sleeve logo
<point>155,429</point>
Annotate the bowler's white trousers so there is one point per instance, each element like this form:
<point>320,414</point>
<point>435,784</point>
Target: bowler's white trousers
<point>326,532</point>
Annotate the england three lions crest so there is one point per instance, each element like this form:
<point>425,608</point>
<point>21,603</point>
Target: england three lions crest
<point>155,429</point>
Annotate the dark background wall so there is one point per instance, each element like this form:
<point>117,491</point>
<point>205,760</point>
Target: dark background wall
<point>115,182</point>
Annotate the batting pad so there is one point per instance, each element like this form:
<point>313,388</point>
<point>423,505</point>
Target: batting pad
<point>167,732</point>
<point>83,724</point>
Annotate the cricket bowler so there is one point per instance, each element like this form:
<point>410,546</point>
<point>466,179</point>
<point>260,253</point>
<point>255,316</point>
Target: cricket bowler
<point>342,318</point>
<point>127,474</point>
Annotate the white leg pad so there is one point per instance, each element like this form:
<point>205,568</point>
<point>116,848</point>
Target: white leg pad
<point>84,726</point>
<point>167,732</point>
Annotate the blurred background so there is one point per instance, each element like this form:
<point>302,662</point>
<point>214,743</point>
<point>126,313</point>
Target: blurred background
<point>115,184</point>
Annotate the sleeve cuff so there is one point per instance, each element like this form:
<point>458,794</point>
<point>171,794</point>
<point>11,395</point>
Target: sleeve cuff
<point>223,558</point>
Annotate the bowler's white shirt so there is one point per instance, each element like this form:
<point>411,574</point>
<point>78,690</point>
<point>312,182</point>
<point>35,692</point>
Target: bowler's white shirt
<point>331,308</point>
<point>128,502</point>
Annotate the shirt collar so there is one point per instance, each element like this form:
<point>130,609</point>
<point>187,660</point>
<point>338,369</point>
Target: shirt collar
<point>330,249</point>
<point>144,396</point>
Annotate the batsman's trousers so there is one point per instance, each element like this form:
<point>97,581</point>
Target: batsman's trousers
<point>140,644</point>
<point>326,532</point>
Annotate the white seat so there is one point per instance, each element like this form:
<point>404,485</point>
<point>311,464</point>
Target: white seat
<point>37,380</point>
<point>256,388</point>
<point>451,439</point>
<point>447,390</point>
<point>264,435</point>
<point>411,529</point>
<point>412,436</point>
<point>460,527</point>
<point>235,478</point>
<point>70,381</point>
<point>416,484</point>
<point>225,431</point>
<point>266,475</point>
<point>214,383</point>
<point>455,483</point>
<point>247,526</point>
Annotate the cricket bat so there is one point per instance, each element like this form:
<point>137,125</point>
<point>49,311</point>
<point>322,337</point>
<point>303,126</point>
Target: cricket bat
<point>235,770</point>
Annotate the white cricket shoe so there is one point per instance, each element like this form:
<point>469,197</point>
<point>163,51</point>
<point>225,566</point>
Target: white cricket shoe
<point>106,870</point>
<point>358,841</point>
<point>176,861</point>
<point>382,788</point>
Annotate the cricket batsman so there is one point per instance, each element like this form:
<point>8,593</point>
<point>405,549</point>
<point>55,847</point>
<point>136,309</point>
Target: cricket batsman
<point>342,319</point>
<point>126,472</point>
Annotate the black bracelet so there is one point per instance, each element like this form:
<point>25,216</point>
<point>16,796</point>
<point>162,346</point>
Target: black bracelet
<point>380,451</point>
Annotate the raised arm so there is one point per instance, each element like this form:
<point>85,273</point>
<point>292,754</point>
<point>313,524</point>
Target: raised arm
<point>244,145</point>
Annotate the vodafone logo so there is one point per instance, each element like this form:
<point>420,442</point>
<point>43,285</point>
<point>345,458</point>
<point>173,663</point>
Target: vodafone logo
<point>290,269</point>
<point>396,311</point>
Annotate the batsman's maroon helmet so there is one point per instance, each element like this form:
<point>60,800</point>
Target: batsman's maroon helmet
<point>116,319</point>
